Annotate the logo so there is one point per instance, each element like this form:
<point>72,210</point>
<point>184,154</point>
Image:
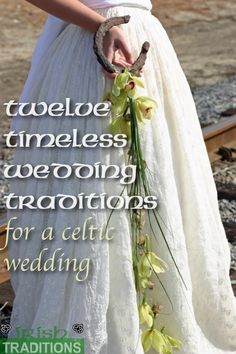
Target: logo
<point>42,346</point>
<point>40,332</point>
<point>5,319</point>
<point>5,328</point>
<point>78,328</point>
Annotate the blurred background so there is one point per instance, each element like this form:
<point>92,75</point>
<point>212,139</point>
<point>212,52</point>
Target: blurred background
<point>203,33</point>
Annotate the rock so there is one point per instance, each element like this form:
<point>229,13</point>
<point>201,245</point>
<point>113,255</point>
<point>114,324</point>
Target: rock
<point>229,112</point>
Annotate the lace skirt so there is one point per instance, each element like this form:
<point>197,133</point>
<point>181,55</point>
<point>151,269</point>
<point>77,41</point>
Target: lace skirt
<point>203,316</point>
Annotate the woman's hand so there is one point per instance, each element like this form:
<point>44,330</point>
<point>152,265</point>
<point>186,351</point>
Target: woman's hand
<point>116,49</point>
<point>73,11</point>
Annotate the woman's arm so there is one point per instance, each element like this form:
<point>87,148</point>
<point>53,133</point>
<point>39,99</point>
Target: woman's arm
<point>73,11</point>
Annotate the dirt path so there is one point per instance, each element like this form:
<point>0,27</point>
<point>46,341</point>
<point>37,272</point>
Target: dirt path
<point>204,35</point>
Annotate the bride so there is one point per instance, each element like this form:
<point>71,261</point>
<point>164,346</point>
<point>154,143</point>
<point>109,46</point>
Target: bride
<point>203,313</point>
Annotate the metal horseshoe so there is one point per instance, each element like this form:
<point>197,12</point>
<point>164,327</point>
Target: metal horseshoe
<point>98,47</point>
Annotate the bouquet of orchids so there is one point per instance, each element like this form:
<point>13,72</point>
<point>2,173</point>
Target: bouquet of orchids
<point>128,111</point>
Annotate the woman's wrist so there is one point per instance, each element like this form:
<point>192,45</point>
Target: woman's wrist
<point>95,23</point>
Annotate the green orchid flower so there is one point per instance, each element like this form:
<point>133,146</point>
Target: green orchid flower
<point>159,341</point>
<point>120,82</point>
<point>127,82</point>
<point>119,104</point>
<point>145,314</point>
<point>147,283</point>
<point>147,337</point>
<point>137,81</point>
<point>148,263</point>
<point>144,108</point>
<point>174,343</point>
<point>130,87</point>
<point>120,126</point>
<point>144,282</point>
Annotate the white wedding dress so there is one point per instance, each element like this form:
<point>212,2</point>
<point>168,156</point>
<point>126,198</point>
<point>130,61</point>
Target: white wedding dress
<point>203,315</point>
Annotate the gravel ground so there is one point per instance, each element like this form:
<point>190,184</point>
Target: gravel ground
<point>227,210</point>
<point>214,101</point>
<point>225,172</point>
